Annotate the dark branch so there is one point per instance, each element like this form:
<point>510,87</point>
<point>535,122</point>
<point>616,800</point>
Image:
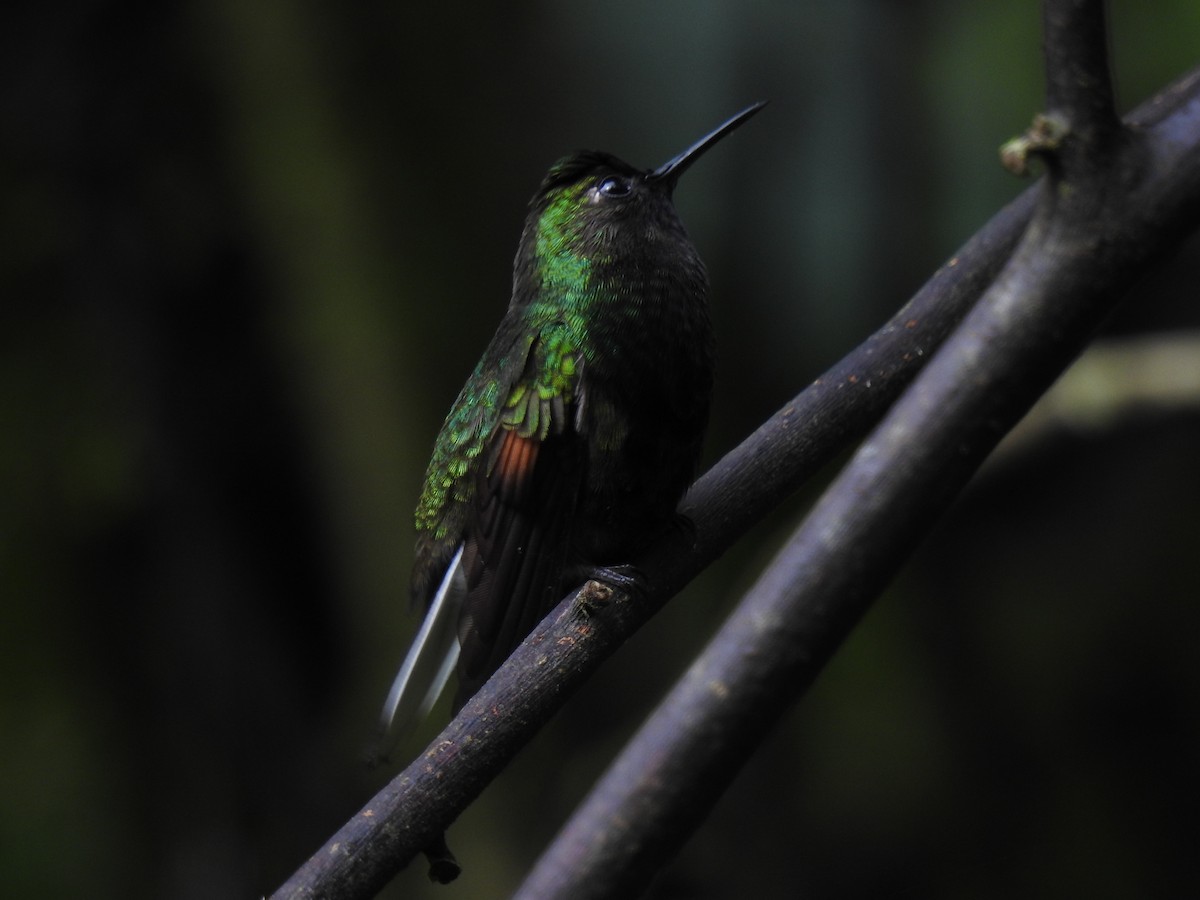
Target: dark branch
<point>1080,126</point>
<point>1074,262</point>
<point>837,409</point>
<point>430,794</point>
<point>1078,78</point>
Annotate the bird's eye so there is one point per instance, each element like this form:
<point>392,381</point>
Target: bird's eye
<point>614,186</point>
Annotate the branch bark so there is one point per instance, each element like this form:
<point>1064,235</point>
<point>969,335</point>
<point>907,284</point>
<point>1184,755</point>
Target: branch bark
<point>1104,212</point>
<point>1071,265</point>
<point>587,627</point>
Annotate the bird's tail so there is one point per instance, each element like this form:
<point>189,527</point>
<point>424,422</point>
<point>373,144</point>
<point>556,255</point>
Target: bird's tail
<point>428,665</point>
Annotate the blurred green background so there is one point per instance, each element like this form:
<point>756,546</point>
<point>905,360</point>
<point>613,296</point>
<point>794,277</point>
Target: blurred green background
<point>250,253</point>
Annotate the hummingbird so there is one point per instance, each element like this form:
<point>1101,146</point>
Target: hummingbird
<point>574,439</point>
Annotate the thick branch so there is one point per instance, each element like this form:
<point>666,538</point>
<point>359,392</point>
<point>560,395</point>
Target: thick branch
<point>559,656</point>
<point>1026,329</point>
<point>427,797</point>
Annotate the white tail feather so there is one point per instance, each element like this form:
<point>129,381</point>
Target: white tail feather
<point>430,660</point>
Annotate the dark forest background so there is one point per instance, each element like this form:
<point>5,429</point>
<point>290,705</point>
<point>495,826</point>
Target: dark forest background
<point>251,251</point>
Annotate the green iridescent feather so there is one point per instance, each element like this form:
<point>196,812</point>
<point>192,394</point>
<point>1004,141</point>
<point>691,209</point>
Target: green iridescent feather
<point>527,379</point>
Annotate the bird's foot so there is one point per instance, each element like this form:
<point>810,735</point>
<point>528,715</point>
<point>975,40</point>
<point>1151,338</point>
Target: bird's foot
<point>625,577</point>
<point>602,581</point>
<point>593,597</point>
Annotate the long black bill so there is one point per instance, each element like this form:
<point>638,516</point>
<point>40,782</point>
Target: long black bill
<point>670,171</point>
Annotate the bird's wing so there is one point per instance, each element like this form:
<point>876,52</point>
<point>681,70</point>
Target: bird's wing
<point>517,535</point>
<point>493,530</point>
